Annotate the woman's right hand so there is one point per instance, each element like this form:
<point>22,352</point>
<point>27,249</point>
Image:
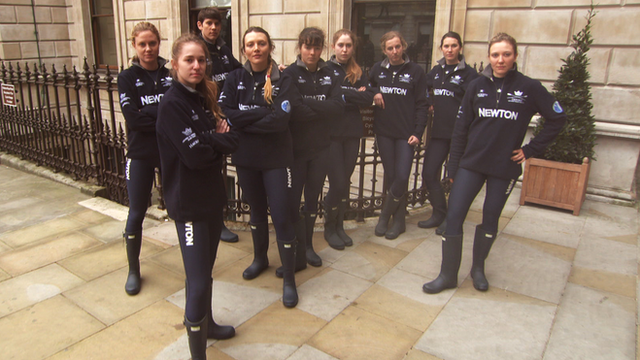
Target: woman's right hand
<point>378,100</point>
<point>222,126</point>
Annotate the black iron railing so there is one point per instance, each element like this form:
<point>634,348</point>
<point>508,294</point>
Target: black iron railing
<point>70,121</point>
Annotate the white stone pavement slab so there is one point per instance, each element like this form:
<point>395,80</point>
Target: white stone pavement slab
<point>306,352</point>
<point>546,225</point>
<point>608,255</point>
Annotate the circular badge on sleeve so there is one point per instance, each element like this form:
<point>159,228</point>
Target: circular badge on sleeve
<point>286,106</point>
<point>557,108</point>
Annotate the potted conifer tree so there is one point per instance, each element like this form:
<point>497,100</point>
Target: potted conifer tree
<point>559,177</point>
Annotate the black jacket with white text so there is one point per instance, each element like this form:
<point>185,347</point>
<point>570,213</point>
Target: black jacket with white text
<point>222,61</point>
<point>493,122</point>
<point>140,95</point>
<point>191,154</point>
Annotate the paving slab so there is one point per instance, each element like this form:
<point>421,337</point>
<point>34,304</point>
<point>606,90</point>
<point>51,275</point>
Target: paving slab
<point>552,226</point>
<point>607,255</point>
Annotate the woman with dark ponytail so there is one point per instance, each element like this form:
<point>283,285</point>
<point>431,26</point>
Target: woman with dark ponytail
<point>345,135</point>
<point>141,87</point>
<point>255,98</point>
<point>194,139</point>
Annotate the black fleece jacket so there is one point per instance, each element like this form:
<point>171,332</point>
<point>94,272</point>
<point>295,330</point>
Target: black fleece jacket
<point>492,123</point>
<point>349,124</point>
<point>222,61</point>
<point>446,93</point>
<point>316,102</point>
<point>265,140</point>
<point>191,154</point>
<point>140,95</point>
<point>405,98</point>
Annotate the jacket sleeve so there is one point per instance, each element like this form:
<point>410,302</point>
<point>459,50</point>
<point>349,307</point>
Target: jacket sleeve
<point>137,119</point>
<point>373,83</point>
<point>224,143</point>
<point>278,119</point>
<point>300,111</point>
<point>228,102</point>
<point>422,105</point>
<point>360,98</point>
<point>430,77</point>
<point>554,116</point>
<point>333,105</point>
<point>460,133</point>
<point>174,125</point>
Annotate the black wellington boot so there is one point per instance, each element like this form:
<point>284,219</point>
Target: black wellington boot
<point>439,205</point>
<point>342,209</point>
<point>388,208</point>
<point>330,223</point>
<point>227,236</point>
<point>197,332</point>
<point>260,236</point>
<point>134,244</point>
<point>451,256</point>
<point>288,258</point>
<point>440,229</point>
<point>215,331</point>
<point>482,243</point>
<point>313,259</point>
<point>301,258</point>
<point>398,226</point>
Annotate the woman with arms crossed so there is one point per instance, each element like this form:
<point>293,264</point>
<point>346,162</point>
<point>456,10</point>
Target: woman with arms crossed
<point>487,147</point>
<point>399,121</point>
<point>255,99</point>
<point>193,139</point>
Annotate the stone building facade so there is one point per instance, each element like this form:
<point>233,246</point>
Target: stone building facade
<point>63,33</point>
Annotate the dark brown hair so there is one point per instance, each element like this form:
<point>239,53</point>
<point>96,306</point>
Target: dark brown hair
<point>311,36</point>
<point>209,13</point>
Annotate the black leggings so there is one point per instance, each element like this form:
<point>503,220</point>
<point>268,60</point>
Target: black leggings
<point>466,186</point>
<point>269,189</point>
<point>397,157</point>
<point>199,245</point>
<point>308,174</point>
<point>139,176</point>
<point>434,156</point>
<point>343,154</point>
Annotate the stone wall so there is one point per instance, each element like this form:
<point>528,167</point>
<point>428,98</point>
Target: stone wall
<point>18,32</point>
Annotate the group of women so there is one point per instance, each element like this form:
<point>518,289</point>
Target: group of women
<point>288,129</point>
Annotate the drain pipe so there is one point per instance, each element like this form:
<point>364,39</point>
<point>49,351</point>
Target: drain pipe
<point>35,31</point>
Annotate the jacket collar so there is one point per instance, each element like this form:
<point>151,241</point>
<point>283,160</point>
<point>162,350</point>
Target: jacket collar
<point>461,65</point>
<point>275,72</point>
<point>385,63</point>
<point>218,44</point>
<point>321,63</point>
<point>161,63</point>
<point>488,72</point>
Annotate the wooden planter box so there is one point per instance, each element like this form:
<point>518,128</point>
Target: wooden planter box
<point>555,184</point>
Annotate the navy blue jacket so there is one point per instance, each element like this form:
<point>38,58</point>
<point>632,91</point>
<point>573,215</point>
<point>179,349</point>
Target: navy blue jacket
<point>316,100</point>
<point>493,122</point>
<point>405,99</point>
<point>265,140</point>
<point>140,95</point>
<point>447,91</point>
<point>191,154</point>
<point>349,125</point>
<point>222,61</point>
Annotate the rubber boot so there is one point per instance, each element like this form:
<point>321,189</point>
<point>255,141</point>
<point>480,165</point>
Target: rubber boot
<point>342,209</point>
<point>197,332</point>
<point>215,331</point>
<point>330,222</point>
<point>313,259</point>
<point>398,226</point>
<point>482,243</point>
<point>439,214</point>
<point>301,258</point>
<point>388,208</point>
<point>440,229</point>
<point>227,236</point>
<point>134,244</point>
<point>451,255</point>
<point>260,236</point>
<point>288,257</point>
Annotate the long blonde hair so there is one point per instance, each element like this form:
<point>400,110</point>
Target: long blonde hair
<point>206,87</point>
<point>268,87</point>
<point>140,27</point>
<point>354,72</point>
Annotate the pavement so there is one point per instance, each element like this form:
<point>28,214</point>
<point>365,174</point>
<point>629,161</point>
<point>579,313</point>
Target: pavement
<point>561,287</point>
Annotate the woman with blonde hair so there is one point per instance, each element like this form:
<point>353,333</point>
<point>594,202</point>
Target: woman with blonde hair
<point>194,138</point>
<point>141,87</point>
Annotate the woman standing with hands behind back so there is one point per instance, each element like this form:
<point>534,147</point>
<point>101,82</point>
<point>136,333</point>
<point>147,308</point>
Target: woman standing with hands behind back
<point>399,121</point>
<point>141,87</point>
<point>193,139</point>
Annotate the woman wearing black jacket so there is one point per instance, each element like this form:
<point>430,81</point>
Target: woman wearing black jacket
<point>399,121</point>
<point>316,100</point>
<point>345,136</point>
<point>487,147</point>
<point>193,140</point>
<point>447,83</point>
<point>141,87</point>
<point>256,101</point>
